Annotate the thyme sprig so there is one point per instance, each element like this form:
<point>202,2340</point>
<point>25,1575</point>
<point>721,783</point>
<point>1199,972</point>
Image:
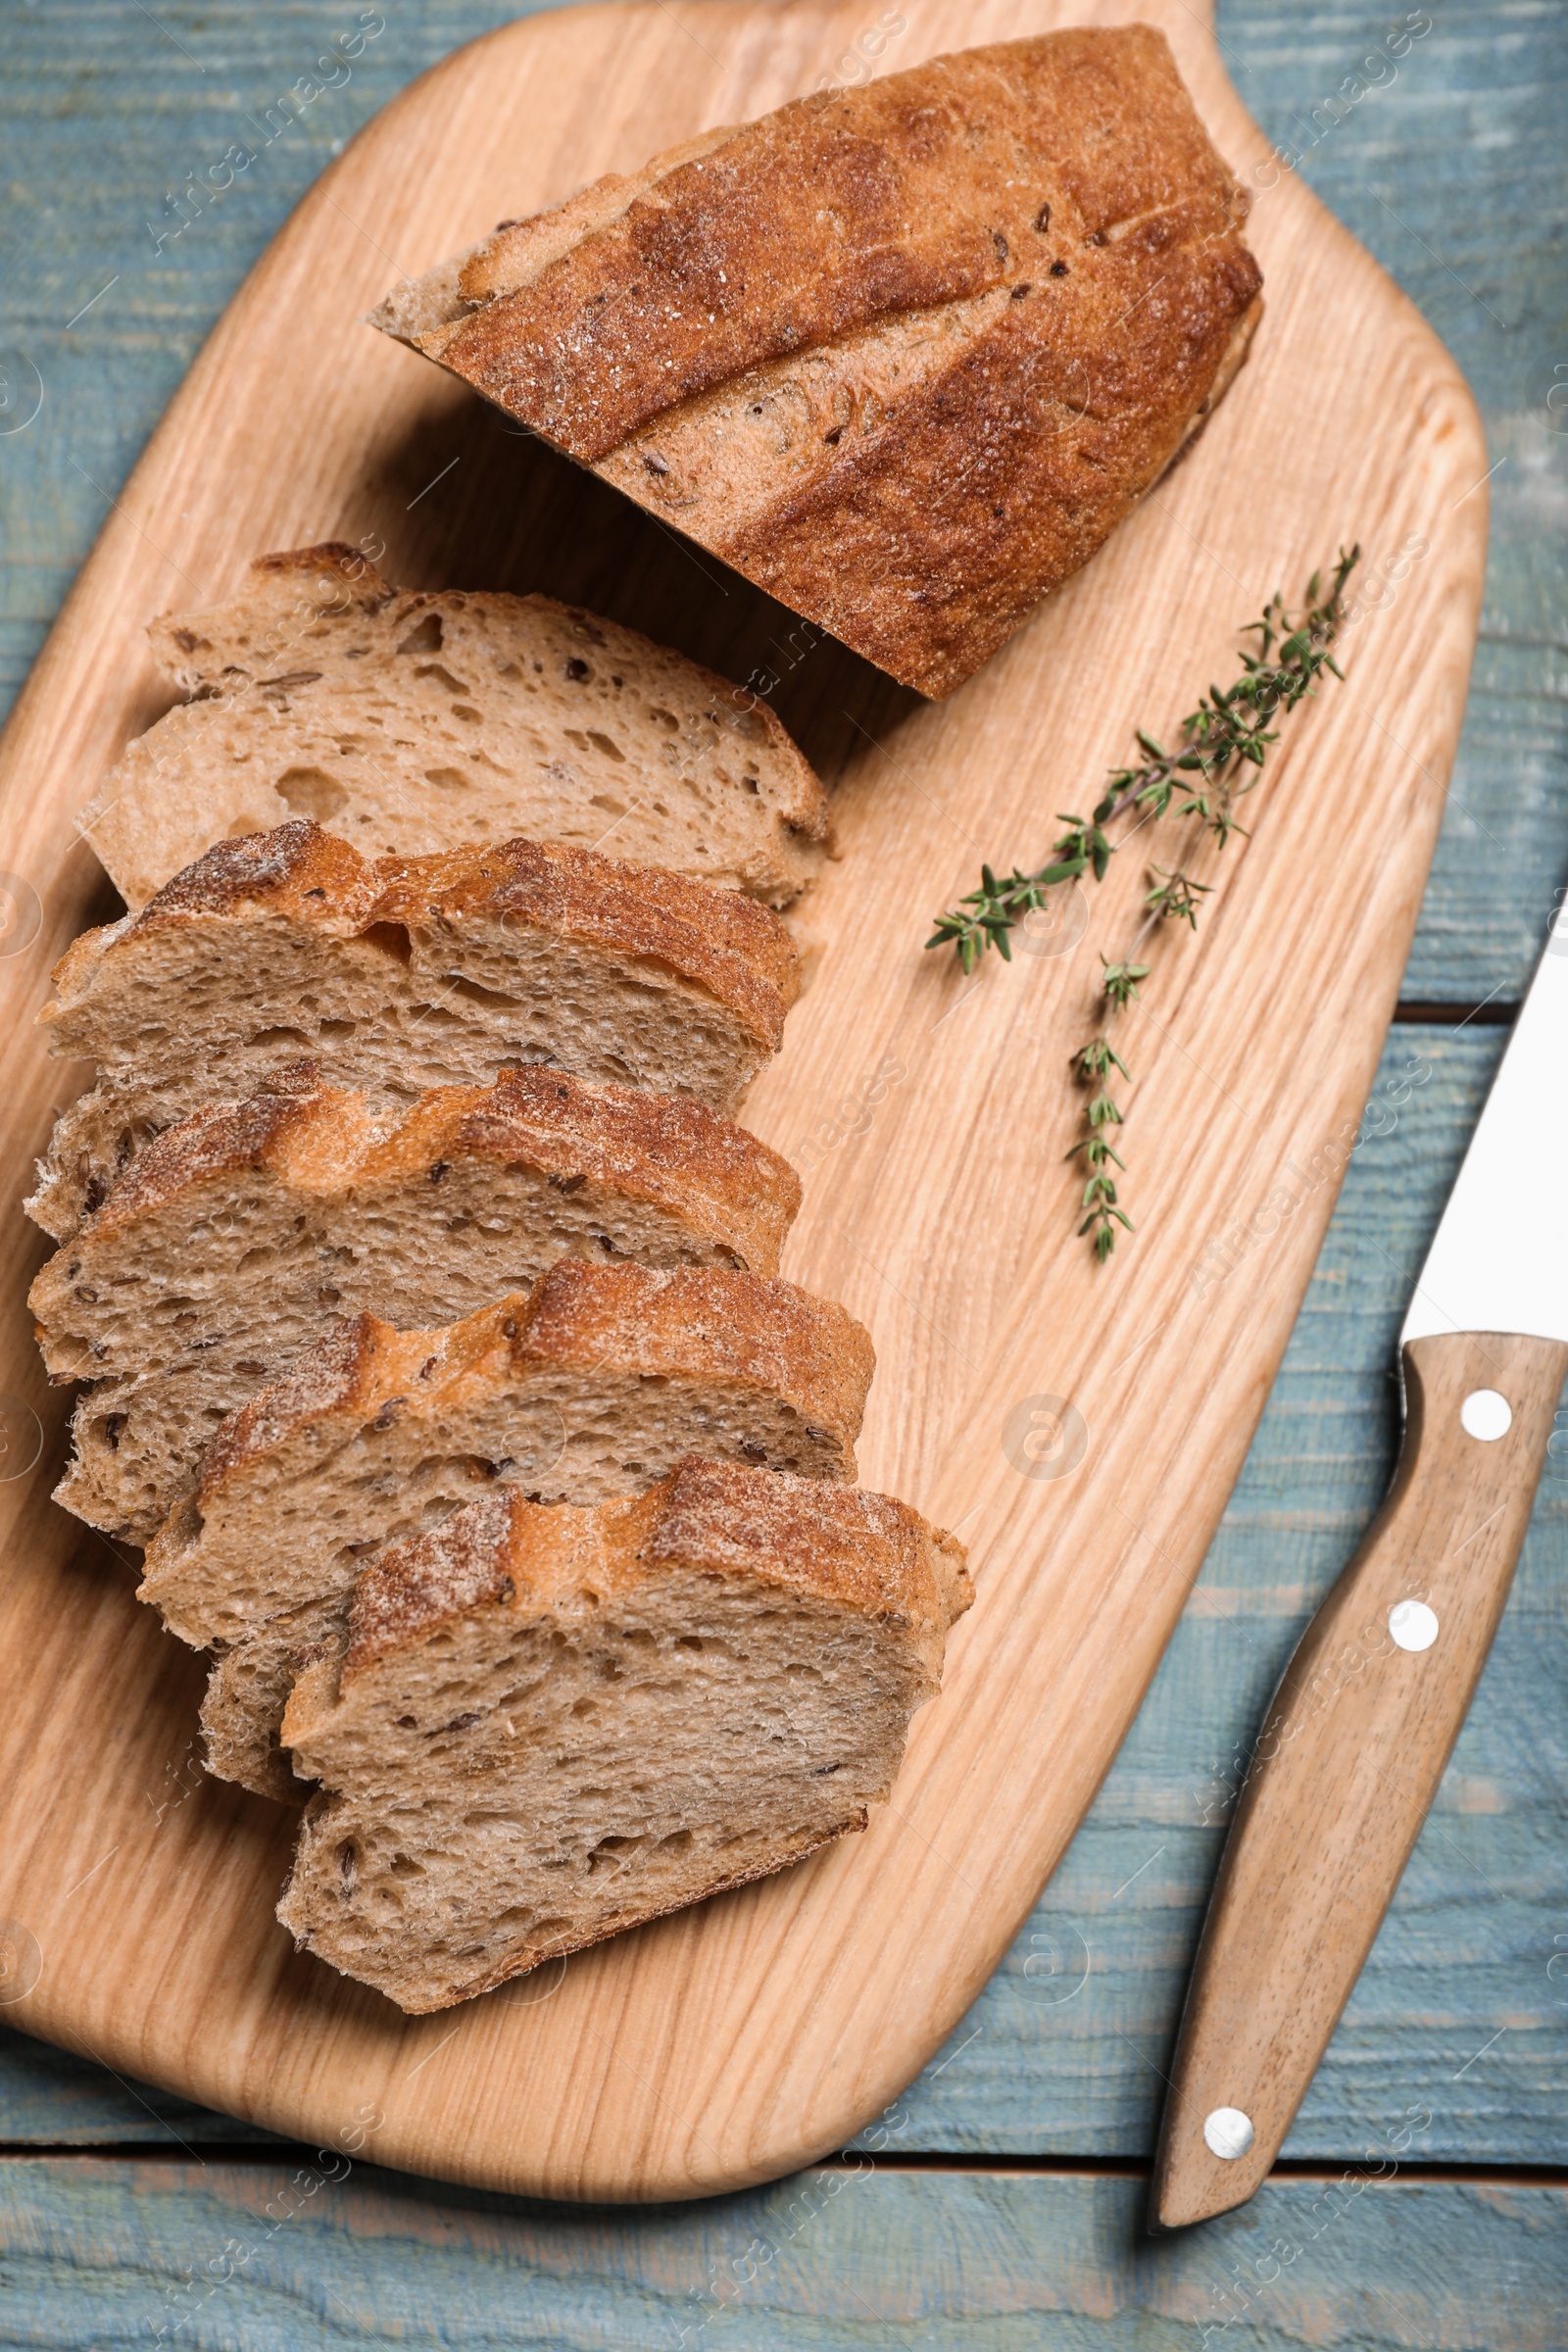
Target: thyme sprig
<point>1218,757</point>
<point>1091,1067</point>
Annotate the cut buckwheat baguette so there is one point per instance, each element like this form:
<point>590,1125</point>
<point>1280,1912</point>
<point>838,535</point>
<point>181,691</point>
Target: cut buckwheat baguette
<point>595,1383</point>
<point>241,1233</point>
<point>550,1724</point>
<point>398,975</point>
<point>413,722</point>
<point>906,354</point>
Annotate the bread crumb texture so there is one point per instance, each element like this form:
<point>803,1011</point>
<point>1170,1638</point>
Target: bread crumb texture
<point>593,1385</point>
<point>410,722</point>
<point>396,975</point>
<point>240,1235</point>
<point>550,1724</point>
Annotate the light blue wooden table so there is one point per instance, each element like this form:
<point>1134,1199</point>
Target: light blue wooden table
<point>1006,2208</point>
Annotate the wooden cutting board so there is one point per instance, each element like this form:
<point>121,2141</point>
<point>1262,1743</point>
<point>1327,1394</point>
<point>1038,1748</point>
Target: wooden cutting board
<point>928,1115</point>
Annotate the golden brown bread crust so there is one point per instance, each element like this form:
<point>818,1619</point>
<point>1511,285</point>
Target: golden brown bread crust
<point>520,248</point>
<point>722,942</point>
<point>222,1138</point>
<point>1024,286</point>
<point>704,1320</point>
<point>1054,461</point>
<point>661,1149</point>
<point>298,870</point>
<point>861,1552</point>
<point>839,209</point>
<point>353,1369</point>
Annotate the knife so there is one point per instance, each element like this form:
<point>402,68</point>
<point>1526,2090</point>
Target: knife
<point>1366,1714</point>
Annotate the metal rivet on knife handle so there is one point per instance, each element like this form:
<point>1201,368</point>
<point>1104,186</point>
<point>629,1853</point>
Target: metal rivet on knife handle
<point>1228,2133</point>
<point>1486,1415</point>
<point>1356,1737</point>
<point>1413,1626</point>
<point>1347,1762</point>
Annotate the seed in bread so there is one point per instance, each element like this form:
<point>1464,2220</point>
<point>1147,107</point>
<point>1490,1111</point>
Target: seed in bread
<point>906,354</point>
<point>413,722</point>
<point>242,1233</point>
<point>550,1725</point>
<point>399,974</point>
<point>594,1384</point>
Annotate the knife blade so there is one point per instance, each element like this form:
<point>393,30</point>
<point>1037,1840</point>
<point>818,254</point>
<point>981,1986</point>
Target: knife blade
<point>1364,1722</point>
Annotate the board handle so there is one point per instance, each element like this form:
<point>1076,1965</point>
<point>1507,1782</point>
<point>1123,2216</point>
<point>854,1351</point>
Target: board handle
<point>1349,1759</point>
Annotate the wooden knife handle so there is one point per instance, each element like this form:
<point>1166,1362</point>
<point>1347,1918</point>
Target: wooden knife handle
<point>1350,1754</point>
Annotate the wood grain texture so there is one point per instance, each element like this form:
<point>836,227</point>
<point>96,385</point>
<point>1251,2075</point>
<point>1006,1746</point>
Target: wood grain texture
<point>1347,1760</point>
<point>1442,160</point>
<point>264,2258</point>
<point>1460,2008</point>
<point>696,2077</point>
<point>1461,2005</point>
<point>1450,173</point>
<point>101,113</point>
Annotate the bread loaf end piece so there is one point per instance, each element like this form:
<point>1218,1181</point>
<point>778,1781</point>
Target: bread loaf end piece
<point>904,354</point>
<point>551,1725</point>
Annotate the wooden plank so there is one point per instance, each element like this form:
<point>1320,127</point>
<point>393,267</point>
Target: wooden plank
<point>1454,1957</point>
<point>263,2258</point>
<point>96,147</point>
<point>1461,145</point>
<point>729,2044</point>
<point>1449,169</point>
<point>1483,1912</point>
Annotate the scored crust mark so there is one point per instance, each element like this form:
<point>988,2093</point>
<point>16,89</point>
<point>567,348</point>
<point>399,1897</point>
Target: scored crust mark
<point>910,410</point>
<point>550,1724</point>
<point>398,974</point>
<point>809,210</point>
<point>414,721</point>
<point>519,250</point>
<point>1056,459</point>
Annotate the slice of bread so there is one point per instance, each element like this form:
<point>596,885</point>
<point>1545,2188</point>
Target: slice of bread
<point>904,354</point>
<point>595,1383</point>
<point>550,1724</point>
<point>399,975</point>
<point>412,722</point>
<point>240,1233</point>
